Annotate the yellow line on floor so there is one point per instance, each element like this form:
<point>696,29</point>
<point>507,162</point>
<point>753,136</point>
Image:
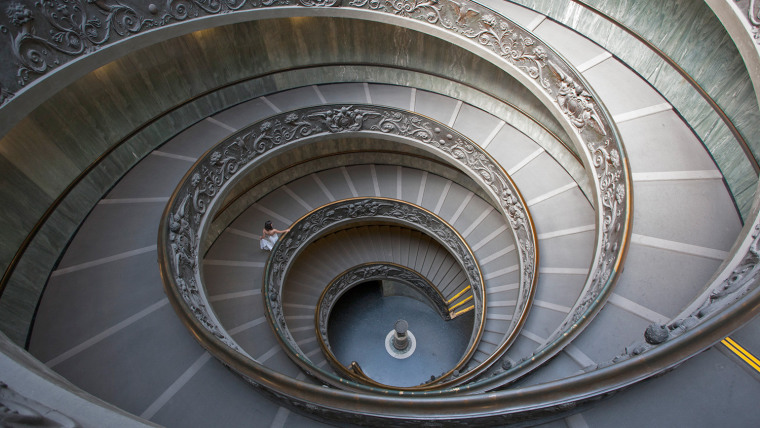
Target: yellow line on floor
<point>456,296</point>
<point>741,353</point>
<point>461,303</point>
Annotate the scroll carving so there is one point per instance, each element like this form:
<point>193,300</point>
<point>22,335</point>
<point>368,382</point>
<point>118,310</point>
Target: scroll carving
<point>196,196</point>
<point>344,212</point>
<point>752,15</point>
<point>327,218</point>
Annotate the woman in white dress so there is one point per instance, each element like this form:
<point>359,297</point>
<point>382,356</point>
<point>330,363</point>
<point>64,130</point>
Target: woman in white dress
<point>270,235</point>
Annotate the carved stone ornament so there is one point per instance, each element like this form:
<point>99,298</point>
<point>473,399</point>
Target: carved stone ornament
<point>45,34</point>
<point>189,208</point>
<point>752,14</point>
<point>528,55</point>
<point>342,213</point>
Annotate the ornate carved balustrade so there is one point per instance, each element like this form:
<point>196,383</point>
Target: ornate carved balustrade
<point>48,35</point>
<point>340,214</point>
<point>355,277</point>
<point>192,204</point>
<point>553,80</point>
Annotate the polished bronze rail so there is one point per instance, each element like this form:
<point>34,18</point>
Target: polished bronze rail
<point>54,205</point>
<point>345,213</point>
<point>373,271</point>
<point>531,403</point>
<point>576,103</point>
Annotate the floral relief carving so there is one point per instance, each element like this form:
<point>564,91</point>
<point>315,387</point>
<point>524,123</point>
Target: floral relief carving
<point>45,34</point>
<point>344,119</point>
<point>519,47</point>
<point>240,151</point>
<point>326,218</point>
<point>752,15</point>
<point>576,102</point>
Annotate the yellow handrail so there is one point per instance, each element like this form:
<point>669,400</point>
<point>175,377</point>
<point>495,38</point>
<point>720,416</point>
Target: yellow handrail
<point>461,303</point>
<point>465,310</point>
<point>464,290</point>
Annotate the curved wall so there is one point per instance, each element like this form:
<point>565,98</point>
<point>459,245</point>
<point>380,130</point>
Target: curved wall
<point>114,115</point>
<point>690,34</point>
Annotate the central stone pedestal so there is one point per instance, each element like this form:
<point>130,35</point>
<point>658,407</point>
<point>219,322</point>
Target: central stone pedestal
<point>400,342</point>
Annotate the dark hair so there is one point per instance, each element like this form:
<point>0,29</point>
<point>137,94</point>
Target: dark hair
<point>268,225</point>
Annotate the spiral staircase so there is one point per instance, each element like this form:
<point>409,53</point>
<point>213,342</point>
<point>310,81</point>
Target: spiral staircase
<point>571,184</point>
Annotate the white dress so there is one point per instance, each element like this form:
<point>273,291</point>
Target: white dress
<point>267,242</point>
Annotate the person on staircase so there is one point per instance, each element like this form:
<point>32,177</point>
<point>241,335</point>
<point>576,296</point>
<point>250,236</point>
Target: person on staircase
<point>270,235</point>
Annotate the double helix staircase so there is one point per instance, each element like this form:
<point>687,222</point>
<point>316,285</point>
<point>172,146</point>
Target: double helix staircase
<point>105,323</point>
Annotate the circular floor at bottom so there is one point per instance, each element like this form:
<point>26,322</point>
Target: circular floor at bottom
<point>362,318</point>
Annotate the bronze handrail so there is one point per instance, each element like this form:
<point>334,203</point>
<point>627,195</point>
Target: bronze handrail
<point>335,216</point>
<point>576,103</point>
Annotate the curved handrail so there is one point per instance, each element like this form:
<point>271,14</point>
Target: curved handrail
<point>371,271</point>
<point>516,405</point>
<point>569,95</point>
<point>588,120</point>
<point>340,214</point>
<point>555,81</point>
<point>244,149</point>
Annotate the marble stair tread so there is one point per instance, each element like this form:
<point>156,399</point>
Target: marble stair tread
<point>620,89</point>
<point>693,212</point>
<point>232,247</point>
<point>281,208</point>
<point>261,344</point>
<point>575,48</point>
<point>112,231</point>
<point>295,98</point>
<point>559,287</point>
<point>223,279</point>
<point>705,389</point>
<point>512,149</point>
<point>435,106</point>
<point>336,183</point>
<point>386,180</point>
<point>412,184</point>
<point>543,321</point>
<point>553,177</point>
<point>215,395</point>
<point>663,142</point>
<point>475,123</point>
<point>435,187</point>
<point>244,114</point>
<point>569,251</point>
<point>562,213</point>
<point>455,201</point>
<point>361,177</point>
<point>233,313</point>
<point>391,95</point>
<point>117,292</point>
<point>344,93</point>
<point>155,176</point>
<point>650,280</point>
<point>197,139</point>
<point>159,350</point>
